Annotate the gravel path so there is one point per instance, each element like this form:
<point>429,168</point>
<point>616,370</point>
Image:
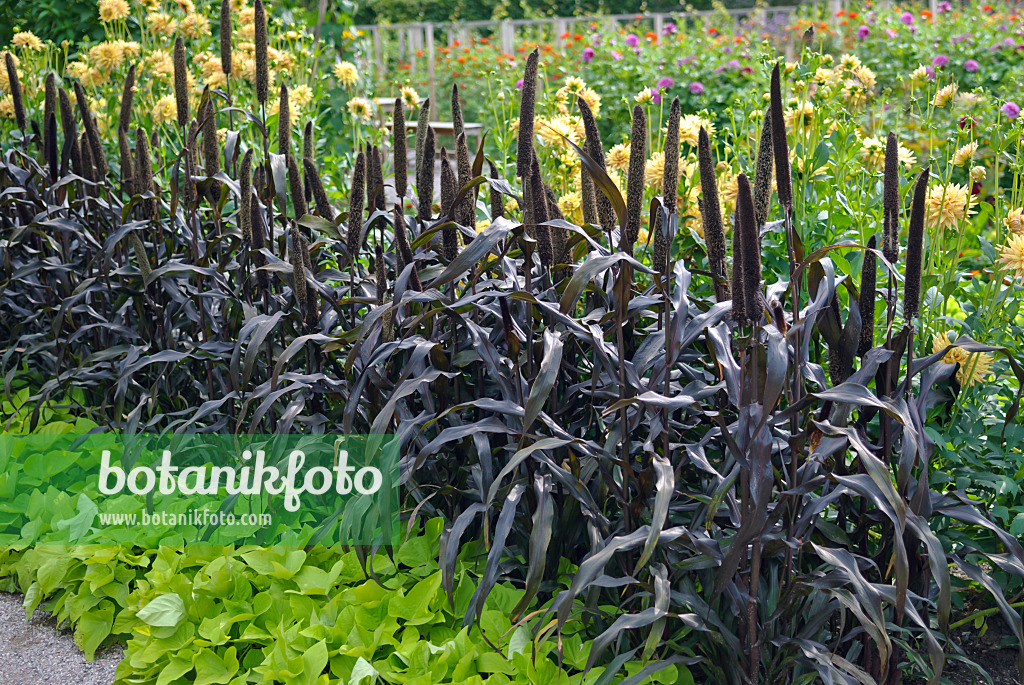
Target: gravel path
<point>34,652</point>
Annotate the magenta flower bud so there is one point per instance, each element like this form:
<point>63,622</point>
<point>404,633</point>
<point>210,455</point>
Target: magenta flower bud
<point>1011,110</point>
<point>588,54</point>
<point>940,61</point>
<point>971,66</point>
<point>697,88</point>
<point>863,32</point>
<point>666,82</point>
<point>632,40</point>
<point>907,18</point>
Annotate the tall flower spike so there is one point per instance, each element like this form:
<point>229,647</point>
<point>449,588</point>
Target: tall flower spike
<point>404,249</point>
<point>559,236</point>
<point>126,162</point>
<point>307,153</point>
<point>891,201</point>
<point>298,270</point>
<point>378,182</point>
<point>15,87</point>
<point>524,155</point>
<point>464,213</point>
<point>635,182</point>
<point>915,249</point>
<point>497,199</point>
<point>181,82</point>
<point>539,202</point>
<point>92,133</point>
<point>245,191</point>
<point>867,298</point>
<point>763,172</point>
<point>458,125</point>
<point>588,197</point>
<point>425,177</point>
<point>711,215</point>
<point>260,41</point>
<point>737,286</point>
<point>400,151</point>
<point>449,234</point>
<point>751,247</point>
<point>323,205</point>
<point>211,146</point>
<point>312,301</point>
<point>143,168</point>
<point>49,107</point>
<point>356,195</point>
<point>88,168</point>
<point>225,36</point>
<point>422,127</point>
<point>70,129</point>
<point>124,119</point>
<point>594,150</point>
<point>780,148</point>
<point>295,187</point>
<point>669,187</point>
<point>50,146</point>
<point>284,122</point>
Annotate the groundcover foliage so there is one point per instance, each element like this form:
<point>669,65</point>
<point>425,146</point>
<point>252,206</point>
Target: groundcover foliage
<point>655,451</point>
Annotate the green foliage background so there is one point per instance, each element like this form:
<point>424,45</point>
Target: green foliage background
<point>56,20</point>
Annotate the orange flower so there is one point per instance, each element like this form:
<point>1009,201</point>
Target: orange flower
<point>484,41</point>
<point>712,31</point>
<point>577,36</point>
<point>564,35</point>
<point>465,49</point>
<point>651,36</point>
<point>927,14</point>
<point>419,53</point>
<point>852,15</point>
<point>456,43</point>
<point>461,60</point>
<point>841,13</point>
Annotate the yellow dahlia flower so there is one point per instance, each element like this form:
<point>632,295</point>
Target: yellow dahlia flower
<point>27,40</point>
<point>161,24</point>
<point>1011,255</point>
<point>873,154</point>
<point>948,205</point>
<point>360,108</point>
<point>347,73</point>
<point>165,110</point>
<point>195,26</point>
<point>106,56</point>
<point>1014,221</point>
<point>690,125</point>
<point>965,153</point>
<point>113,10</point>
<point>944,95</point>
<point>618,157</point>
<point>571,206</point>
<point>410,97</point>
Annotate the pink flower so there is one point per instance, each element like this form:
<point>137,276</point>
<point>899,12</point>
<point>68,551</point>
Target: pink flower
<point>907,18</point>
<point>588,54</point>
<point>519,84</point>
<point>863,32</point>
<point>669,29</point>
<point>940,61</point>
<point>616,55</point>
<point>945,6</point>
<point>892,33</point>
<point>666,82</point>
<point>656,95</point>
<point>697,88</point>
<point>632,40</point>
<point>971,66</point>
<point>1011,110</point>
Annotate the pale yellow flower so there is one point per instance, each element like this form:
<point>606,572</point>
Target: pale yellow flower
<point>920,74</point>
<point>347,73</point>
<point>195,26</point>
<point>644,96</point>
<point>113,10</point>
<point>161,65</point>
<point>1014,221</point>
<point>948,205</point>
<point>873,154</point>
<point>944,95</point>
<point>360,108</point>
<point>690,125</point>
<point>800,116</point>
<point>165,110</point>
<point>482,224</point>
<point>7,107</point>
<point>410,97</point>
<point>654,173</point>
<point>851,62</point>
<point>978,173</point>
<point>247,31</point>
<point>551,131</point>
<point>130,48</point>
<point>246,16</point>
<point>161,24</point>
<point>956,355</point>
<point>301,96</point>
<point>1011,255</point>
<point>106,56</point>
<point>27,40</point>
<point>94,77</point>
<point>618,157</point>
<point>571,206</point>
<point>965,153</point>
<point>593,100</point>
<point>574,84</point>
<point>77,70</point>
<point>974,368</point>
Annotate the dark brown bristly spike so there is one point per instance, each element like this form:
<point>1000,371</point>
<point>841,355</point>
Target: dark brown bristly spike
<point>595,150</point>
<point>312,296</point>
<point>15,87</point>
<point>867,298</point>
<point>404,249</point>
<point>915,249</point>
<point>422,126</point>
<point>124,118</point>
<point>891,201</point>
<point>284,122</point>
<point>181,82</point>
<point>92,133</point>
<point>400,150</point>
<point>70,129</point>
<point>425,178</point>
<point>261,45</point>
<point>635,182</point>
<point>464,213</point>
<point>751,246</point>
<point>125,151</point>
<point>225,36</point>
<point>50,146</point>
<point>307,153</point>
<point>298,271</point>
<point>88,168</point>
<point>780,148</point>
<point>559,237</point>
<point>458,125</point>
<point>245,191</point>
<point>295,187</point>
<point>259,241</point>
<point>323,205</point>
<point>449,234</point>
<point>49,107</point>
<point>143,168</point>
<point>211,146</point>
<point>763,169</point>
<point>357,192</point>
<point>669,187</point>
<point>524,156</point>
<point>711,215</point>
<point>497,199</point>
<point>737,284</point>
<point>539,203</point>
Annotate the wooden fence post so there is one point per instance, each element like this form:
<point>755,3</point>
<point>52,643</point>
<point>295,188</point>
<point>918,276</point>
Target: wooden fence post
<point>378,51</point>
<point>429,36</point>
<point>659,24</point>
<point>508,37</point>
